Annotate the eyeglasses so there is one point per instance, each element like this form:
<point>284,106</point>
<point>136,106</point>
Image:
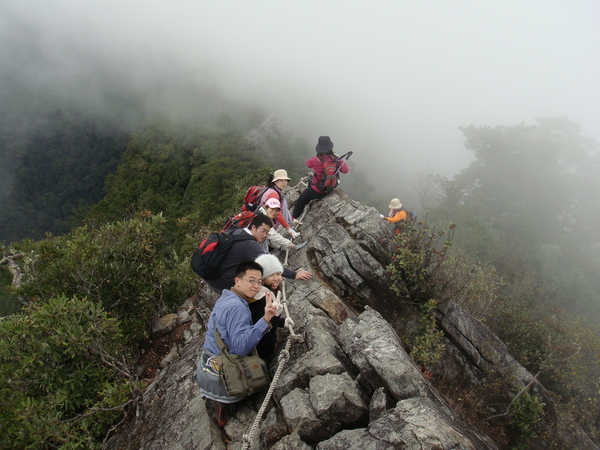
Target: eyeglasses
<point>276,209</point>
<point>254,281</point>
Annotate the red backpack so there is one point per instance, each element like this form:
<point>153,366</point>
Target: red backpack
<point>329,176</point>
<point>252,197</point>
<point>240,220</point>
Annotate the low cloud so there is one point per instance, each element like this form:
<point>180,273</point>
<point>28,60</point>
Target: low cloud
<point>391,81</point>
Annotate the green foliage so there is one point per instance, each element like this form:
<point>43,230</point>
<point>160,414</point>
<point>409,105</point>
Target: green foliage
<point>475,286</point>
<point>417,263</point>
<point>524,209</point>
<point>127,267</point>
<point>55,388</point>
<point>565,350</point>
<point>197,174</point>
<point>419,275</point>
<point>9,303</point>
<point>524,413</point>
<point>427,346</point>
<point>525,206</point>
<point>213,189</point>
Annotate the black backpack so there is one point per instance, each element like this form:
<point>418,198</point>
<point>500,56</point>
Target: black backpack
<point>206,260</point>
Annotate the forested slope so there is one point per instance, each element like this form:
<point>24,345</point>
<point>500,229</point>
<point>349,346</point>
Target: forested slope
<point>522,255</point>
<point>53,171</point>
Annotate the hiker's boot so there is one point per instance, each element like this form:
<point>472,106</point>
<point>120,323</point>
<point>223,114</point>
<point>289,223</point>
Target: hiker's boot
<point>217,412</point>
<point>222,414</point>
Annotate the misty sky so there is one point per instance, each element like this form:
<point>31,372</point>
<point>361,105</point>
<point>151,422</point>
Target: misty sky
<point>390,80</point>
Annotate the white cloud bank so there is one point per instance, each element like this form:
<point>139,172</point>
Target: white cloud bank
<point>391,80</point>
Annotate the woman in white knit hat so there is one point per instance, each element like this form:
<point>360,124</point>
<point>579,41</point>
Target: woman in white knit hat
<point>272,272</point>
<point>397,215</point>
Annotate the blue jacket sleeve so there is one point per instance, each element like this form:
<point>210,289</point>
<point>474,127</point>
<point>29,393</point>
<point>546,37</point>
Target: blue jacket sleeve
<point>237,330</point>
<point>240,335</point>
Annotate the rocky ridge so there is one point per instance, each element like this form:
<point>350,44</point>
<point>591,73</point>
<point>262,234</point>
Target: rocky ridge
<point>349,382</point>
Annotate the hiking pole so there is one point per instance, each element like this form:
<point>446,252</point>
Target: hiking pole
<point>345,157</point>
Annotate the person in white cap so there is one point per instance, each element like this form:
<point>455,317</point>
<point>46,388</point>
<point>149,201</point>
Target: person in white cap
<point>271,282</point>
<point>276,186</point>
<point>397,215</point>
<point>272,209</point>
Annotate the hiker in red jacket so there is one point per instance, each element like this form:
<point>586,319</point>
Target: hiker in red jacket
<point>324,155</point>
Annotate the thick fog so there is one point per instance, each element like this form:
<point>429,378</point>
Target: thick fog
<point>390,80</point>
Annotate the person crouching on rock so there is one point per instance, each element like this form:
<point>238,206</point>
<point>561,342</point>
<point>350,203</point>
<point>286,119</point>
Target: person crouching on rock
<point>233,319</point>
<point>397,215</point>
<point>324,149</point>
<point>272,272</point>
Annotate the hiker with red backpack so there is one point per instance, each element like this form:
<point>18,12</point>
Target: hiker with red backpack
<point>256,196</point>
<point>275,189</point>
<point>272,209</point>
<point>245,245</point>
<point>326,166</point>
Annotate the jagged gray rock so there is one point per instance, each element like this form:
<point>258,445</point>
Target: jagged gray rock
<point>374,348</point>
<point>380,403</point>
<point>349,382</point>
<point>338,398</point>
<point>267,139</point>
<point>161,326</point>
<point>414,423</point>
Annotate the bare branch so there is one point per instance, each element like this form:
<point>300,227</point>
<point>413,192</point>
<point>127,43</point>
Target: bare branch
<point>505,413</point>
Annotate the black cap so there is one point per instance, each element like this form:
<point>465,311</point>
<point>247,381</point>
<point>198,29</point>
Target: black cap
<point>325,145</point>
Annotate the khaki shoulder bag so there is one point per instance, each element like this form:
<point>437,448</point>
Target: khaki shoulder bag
<point>241,375</point>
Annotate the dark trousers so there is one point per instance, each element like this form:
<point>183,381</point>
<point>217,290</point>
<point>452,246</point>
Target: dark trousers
<point>307,195</point>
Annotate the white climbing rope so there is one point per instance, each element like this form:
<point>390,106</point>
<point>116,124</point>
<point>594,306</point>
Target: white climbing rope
<point>284,355</point>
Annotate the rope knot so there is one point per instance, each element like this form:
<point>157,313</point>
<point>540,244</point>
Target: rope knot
<point>284,355</point>
<point>247,440</point>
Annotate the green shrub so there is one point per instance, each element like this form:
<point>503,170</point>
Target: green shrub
<point>127,267</point>
<point>427,346</point>
<point>524,413</point>
<point>417,264</point>
<point>54,385</point>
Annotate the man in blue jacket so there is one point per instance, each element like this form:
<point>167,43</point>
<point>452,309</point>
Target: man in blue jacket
<point>233,319</point>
